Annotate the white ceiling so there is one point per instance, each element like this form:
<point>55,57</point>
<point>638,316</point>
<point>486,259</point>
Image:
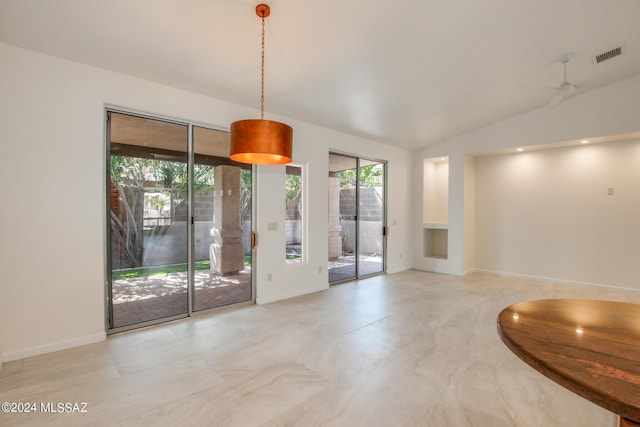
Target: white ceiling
<point>403,72</point>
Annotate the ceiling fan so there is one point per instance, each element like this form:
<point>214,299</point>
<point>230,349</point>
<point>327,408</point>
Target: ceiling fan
<point>566,88</point>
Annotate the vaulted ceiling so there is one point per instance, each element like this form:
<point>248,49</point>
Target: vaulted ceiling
<point>403,72</point>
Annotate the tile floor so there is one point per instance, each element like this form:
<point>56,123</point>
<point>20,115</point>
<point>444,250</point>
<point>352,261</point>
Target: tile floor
<point>408,349</point>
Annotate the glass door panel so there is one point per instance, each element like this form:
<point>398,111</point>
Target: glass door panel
<point>221,223</point>
<point>343,213</point>
<point>371,218</point>
<point>148,211</point>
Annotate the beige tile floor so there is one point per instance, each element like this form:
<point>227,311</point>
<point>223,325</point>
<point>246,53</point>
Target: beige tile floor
<point>409,349</point>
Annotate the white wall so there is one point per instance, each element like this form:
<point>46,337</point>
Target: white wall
<point>608,111</point>
<point>469,219</point>
<point>53,209</point>
<point>547,213</point>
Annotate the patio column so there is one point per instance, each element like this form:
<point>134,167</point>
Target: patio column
<point>335,241</point>
<point>226,252</point>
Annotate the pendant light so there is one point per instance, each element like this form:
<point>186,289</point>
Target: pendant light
<point>260,141</point>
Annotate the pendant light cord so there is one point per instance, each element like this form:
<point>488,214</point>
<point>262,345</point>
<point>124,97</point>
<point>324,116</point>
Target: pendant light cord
<point>262,75</point>
<point>261,142</point>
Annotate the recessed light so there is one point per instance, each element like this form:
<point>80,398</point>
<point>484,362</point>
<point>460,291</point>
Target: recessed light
<point>584,141</point>
<point>520,149</point>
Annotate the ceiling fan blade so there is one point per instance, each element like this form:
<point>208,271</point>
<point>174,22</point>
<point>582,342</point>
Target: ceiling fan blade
<point>556,100</point>
<point>562,92</point>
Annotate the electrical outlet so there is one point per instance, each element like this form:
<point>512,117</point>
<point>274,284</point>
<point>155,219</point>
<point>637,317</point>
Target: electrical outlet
<point>269,277</point>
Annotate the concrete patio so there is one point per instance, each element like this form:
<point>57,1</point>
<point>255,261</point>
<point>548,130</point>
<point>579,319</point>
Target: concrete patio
<point>154,297</point>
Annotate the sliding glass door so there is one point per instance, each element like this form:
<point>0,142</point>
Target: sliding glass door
<point>221,223</point>
<point>148,212</point>
<point>371,217</point>
<point>179,221</point>
<point>356,217</point>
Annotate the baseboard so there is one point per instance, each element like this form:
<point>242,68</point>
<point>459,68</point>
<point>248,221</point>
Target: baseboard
<point>283,296</point>
<point>446,273</point>
<point>49,348</point>
<point>398,270</point>
<point>558,281</point>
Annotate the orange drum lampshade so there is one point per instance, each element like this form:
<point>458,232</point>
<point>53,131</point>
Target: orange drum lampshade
<point>259,141</point>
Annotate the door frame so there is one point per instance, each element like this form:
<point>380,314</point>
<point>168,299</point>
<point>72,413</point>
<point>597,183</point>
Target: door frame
<point>385,166</point>
<point>109,108</point>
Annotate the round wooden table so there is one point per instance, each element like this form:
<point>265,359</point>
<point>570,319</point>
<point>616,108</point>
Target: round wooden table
<point>590,347</point>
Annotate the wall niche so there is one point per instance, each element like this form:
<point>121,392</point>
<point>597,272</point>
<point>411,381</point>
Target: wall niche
<point>435,207</point>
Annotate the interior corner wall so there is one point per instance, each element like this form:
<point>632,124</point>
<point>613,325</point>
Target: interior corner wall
<point>54,203</point>
<point>469,212</point>
<point>455,262</point>
<point>548,214</point>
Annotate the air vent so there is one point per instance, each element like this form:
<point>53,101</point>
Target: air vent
<point>607,55</point>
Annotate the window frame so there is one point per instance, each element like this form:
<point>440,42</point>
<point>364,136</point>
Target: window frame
<point>303,206</point>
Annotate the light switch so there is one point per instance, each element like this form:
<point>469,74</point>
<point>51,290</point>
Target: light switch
<point>611,191</point>
<point>272,226</point>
